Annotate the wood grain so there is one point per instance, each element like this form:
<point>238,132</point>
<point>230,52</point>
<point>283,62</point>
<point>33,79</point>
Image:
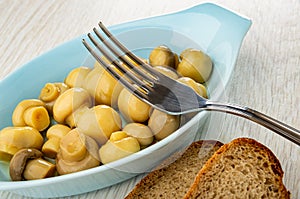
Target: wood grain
<point>266,77</point>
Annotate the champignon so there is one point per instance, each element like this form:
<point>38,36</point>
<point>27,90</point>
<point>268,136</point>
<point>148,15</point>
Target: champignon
<point>195,64</point>
<point>54,135</point>
<point>50,92</point>
<point>76,78</point>
<point>12,139</point>
<point>163,56</point>
<point>197,87</point>
<point>103,87</point>
<point>67,104</point>
<point>132,108</point>
<point>141,132</point>
<point>118,146</point>
<point>169,72</point>
<point>31,112</point>
<point>27,164</point>
<point>162,124</point>
<point>77,152</point>
<point>99,122</point>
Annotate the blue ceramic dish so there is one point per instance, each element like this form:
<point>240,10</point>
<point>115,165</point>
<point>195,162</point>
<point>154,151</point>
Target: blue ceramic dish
<point>217,31</point>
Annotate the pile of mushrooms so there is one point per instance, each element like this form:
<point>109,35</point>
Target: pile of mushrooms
<point>90,119</point>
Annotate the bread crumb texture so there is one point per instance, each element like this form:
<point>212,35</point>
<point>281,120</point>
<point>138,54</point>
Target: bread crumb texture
<point>242,169</point>
<point>173,179</point>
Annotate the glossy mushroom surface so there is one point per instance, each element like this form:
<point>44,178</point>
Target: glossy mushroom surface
<point>77,152</point>
<point>13,139</point>
<point>28,164</point>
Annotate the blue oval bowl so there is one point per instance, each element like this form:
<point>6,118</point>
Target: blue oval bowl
<point>217,31</point>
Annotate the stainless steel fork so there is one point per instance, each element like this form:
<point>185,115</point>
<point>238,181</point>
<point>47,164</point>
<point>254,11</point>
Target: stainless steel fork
<point>162,92</point>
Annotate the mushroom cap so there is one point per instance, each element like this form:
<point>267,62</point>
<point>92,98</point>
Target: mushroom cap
<point>141,132</point>
<point>69,101</point>
<point>57,130</point>
<point>132,108</point>
<point>17,117</point>
<point>12,139</point>
<point>163,56</point>
<point>19,160</point>
<point>195,64</point>
<point>200,89</point>
<point>167,71</point>
<point>162,124</point>
<point>99,123</point>
<point>76,77</point>
<point>115,150</point>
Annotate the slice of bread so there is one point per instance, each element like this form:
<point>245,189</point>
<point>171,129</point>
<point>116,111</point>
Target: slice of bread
<point>174,177</point>
<point>242,168</point>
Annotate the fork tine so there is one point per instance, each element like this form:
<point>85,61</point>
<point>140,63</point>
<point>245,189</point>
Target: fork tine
<point>119,66</point>
<point>122,58</point>
<point>127,51</point>
<point>134,89</point>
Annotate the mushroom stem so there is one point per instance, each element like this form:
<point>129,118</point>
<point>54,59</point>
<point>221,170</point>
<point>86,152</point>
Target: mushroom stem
<point>38,169</point>
<point>37,117</point>
<point>54,135</point>
<point>17,117</point>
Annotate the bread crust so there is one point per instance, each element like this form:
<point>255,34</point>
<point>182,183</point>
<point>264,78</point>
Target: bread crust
<point>160,170</point>
<point>192,193</point>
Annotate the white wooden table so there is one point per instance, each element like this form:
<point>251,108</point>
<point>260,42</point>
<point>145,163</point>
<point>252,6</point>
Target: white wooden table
<point>266,77</point>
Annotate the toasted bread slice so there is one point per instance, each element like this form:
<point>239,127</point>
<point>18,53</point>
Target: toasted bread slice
<point>242,168</point>
<point>174,177</point>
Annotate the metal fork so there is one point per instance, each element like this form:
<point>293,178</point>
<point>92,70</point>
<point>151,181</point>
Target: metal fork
<point>164,93</point>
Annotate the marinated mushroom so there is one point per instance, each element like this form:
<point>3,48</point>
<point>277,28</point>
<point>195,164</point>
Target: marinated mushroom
<point>68,104</point>
<point>77,152</point>
<point>27,164</point>
<point>163,56</point>
<point>195,64</point>
<point>76,78</point>
<point>31,112</point>
<point>197,87</point>
<point>12,139</point>
<point>118,135</point>
<point>117,147</point>
<point>162,124</point>
<point>141,132</point>
<point>99,122</point>
<point>103,87</point>
<point>19,160</point>
<point>169,72</point>
<point>54,135</point>
<point>50,93</point>
<point>132,108</point>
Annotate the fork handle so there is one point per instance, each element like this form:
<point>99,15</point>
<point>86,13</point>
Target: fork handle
<point>278,127</point>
